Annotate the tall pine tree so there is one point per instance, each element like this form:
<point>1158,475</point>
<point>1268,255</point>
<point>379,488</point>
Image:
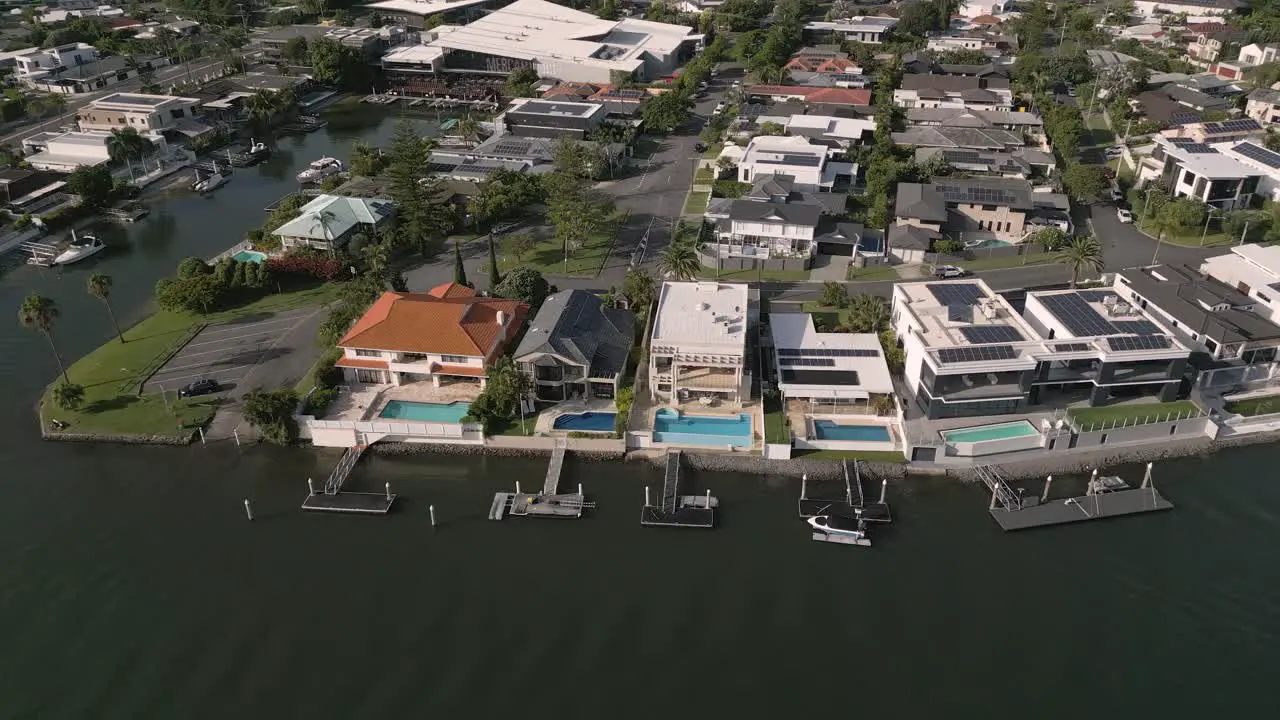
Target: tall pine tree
<point>459,272</point>
<point>494,277</point>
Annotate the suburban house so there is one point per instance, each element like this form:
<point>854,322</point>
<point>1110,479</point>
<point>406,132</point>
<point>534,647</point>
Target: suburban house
<point>1254,271</point>
<point>1264,106</point>
<point>447,335</point>
<point>141,112</point>
<point>805,163</point>
<point>826,370</point>
<point>77,68</point>
<point>822,60</point>
<point>699,343</point>
<point>1226,175</point>
<point>1232,343</point>
<point>811,95</point>
<point>576,347</point>
<point>329,221</point>
<point>829,129</point>
<point>773,219</point>
<point>1218,132</point>
<point>976,211</point>
<point>1016,121</point>
<point>1023,163</point>
<point>954,91</point>
<point>974,9</point>
<point>64,152</point>
<point>1250,58</point>
<point>972,39</point>
<point>870,30</point>
<point>527,117</point>
<point>1208,47</point>
<point>969,353</point>
<point>1192,8</point>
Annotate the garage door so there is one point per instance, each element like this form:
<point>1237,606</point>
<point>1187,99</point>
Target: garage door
<point>838,249</point>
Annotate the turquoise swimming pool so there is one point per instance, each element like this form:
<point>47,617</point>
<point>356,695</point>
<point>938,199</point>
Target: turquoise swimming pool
<point>712,430</point>
<point>252,256</point>
<point>830,430</point>
<point>425,412</point>
<point>1001,431</point>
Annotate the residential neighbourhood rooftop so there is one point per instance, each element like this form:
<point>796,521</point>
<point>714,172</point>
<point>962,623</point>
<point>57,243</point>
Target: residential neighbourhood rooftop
<point>711,315</point>
<point>450,319</point>
<point>830,364</point>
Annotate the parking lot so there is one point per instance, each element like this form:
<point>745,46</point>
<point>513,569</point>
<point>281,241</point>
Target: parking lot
<point>261,351</point>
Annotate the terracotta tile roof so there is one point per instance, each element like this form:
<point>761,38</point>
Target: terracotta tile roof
<point>839,96</point>
<point>458,370</point>
<point>449,320</point>
<point>986,20</point>
<point>837,65</point>
<point>372,363</point>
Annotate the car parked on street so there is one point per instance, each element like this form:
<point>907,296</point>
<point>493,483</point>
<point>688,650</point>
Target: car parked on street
<point>1116,193</point>
<point>720,106</point>
<point>503,228</point>
<point>949,271</point>
<point>1114,152</point>
<point>1124,215</point>
<point>197,388</point>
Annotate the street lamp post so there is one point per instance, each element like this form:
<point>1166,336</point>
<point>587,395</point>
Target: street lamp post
<point>1207,217</point>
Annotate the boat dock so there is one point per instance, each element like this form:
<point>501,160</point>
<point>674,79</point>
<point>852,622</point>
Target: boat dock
<point>305,124</point>
<point>854,504</point>
<point>1104,497</point>
<point>332,499</point>
<point>678,510</point>
<point>127,214</point>
<point>431,102</point>
<point>547,503</point>
<point>42,253</point>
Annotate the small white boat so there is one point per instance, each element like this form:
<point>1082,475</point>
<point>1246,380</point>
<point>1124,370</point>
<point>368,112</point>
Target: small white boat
<point>257,149</point>
<point>79,249</point>
<point>320,169</point>
<point>835,528</point>
<point>209,183</point>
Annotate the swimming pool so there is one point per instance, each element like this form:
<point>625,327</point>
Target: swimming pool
<point>1002,431</point>
<point>713,430</point>
<point>983,244</point>
<point>252,256</point>
<point>831,430</point>
<point>585,422</point>
<point>425,412</point>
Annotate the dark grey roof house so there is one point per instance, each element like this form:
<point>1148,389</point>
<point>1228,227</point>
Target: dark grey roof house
<point>576,347</point>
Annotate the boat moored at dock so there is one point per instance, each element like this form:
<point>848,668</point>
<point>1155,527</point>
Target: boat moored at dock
<point>320,169</point>
<point>840,529</point>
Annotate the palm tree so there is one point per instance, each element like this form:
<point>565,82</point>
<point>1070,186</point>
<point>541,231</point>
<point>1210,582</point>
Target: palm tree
<point>770,73</point>
<point>868,313</point>
<point>68,396</point>
<point>1084,253</point>
<point>99,286</point>
<point>470,129</point>
<point>324,219</point>
<point>40,312</point>
<point>679,261</point>
<point>126,143</point>
<point>261,107</point>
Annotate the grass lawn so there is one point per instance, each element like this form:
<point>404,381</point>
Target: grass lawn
<point>713,151</point>
<point>775,423</point>
<point>512,427</point>
<point>547,255</point>
<point>875,456</point>
<point>112,374</point>
<point>749,275</point>
<point>697,203</point>
<point>995,263</point>
<point>1135,414</point>
<point>873,272</point>
<point>832,316</point>
<point>1263,405</point>
<point>704,176</point>
<point>1188,237</point>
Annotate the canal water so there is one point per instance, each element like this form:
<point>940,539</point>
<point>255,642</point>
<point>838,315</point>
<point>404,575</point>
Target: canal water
<point>132,586</point>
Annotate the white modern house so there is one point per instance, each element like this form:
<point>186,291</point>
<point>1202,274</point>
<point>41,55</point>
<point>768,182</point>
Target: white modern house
<point>863,29</point>
<point>1193,8</point>
<point>805,163</point>
<point>1226,175</point>
<point>64,152</point>
<point>140,112</point>
<point>1254,271</point>
<point>699,343</point>
<point>38,64</point>
<point>329,221</point>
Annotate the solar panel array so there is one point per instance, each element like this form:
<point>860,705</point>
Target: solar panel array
<point>1071,310</point>
<point>976,195</point>
<point>1261,154</point>
<point>1139,342</point>
<point>1198,148</point>
<point>1095,295</point>
<point>980,353</point>
<point>1182,118</point>
<point>960,313</point>
<point>819,377</point>
<point>1232,126</point>
<point>827,352</point>
<point>991,334</point>
<point>956,293</point>
<point>1071,347</point>
<point>807,362</point>
<point>1137,327</point>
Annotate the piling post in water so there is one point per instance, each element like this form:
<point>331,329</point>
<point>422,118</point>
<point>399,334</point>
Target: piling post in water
<point>248,509</point>
<point>388,492</point>
<point>1044,495</point>
<point>201,431</point>
<point>804,486</point>
<point>311,487</point>
<point>236,433</point>
<point>1146,477</point>
<point>432,510</point>
<point>884,487</point>
<point>646,496</point>
<point>708,498</point>
<point>994,489</point>
<point>517,487</point>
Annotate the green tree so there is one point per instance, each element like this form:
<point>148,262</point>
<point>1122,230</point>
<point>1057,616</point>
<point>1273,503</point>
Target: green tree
<point>93,183</point>
<point>1084,183</point>
<point>868,313</point>
<point>524,284</point>
<point>295,50</point>
<point>640,289</point>
<point>262,107</point>
<point>504,386</point>
<point>679,260</point>
<point>338,65</point>
<point>366,160</point>
<point>494,277</point>
<point>40,313</point>
<point>1049,238</point>
<point>1177,215</point>
<point>469,128</point>
<point>459,272</point>
<point>1084,254</point>
<point>834,294</point>
<point>271,412</point>
<point>521,82</point>
<point>664,113</point>
<point>99,286</point>
<point>68,396</point>
<point>521,244</point>
<point>126,143</point>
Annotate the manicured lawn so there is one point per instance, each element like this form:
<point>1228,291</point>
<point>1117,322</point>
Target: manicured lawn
<point>697,203</point>
<point>831,316</point>
<point>113,374</point>
<point>775,423</point>
<point>547,255</point>
<point>713,151</point>
<point>1264,405</point>
<point>875,456</point>
<point>995,263</point>
<point>754,275</point>
<point>512,427</point>
<point>1135,414</point>
<point>873,272</point>
<point>1188,237</point>
<point>704,176</point>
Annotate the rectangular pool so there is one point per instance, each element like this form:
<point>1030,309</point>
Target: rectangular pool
<point>831,430</point>
<point>585,422</point>
<point>709,430</point>
<point>425,412</point>
<point>1002,431</point>
<point>252,256</point>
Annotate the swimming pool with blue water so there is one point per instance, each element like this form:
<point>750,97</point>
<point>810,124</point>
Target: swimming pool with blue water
<point>425,412</point>
<point>670,426</point>
<point>831,430</point>
<point>585,422</point>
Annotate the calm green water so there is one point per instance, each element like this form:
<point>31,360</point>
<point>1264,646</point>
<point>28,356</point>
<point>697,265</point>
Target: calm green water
<point>131,585</point>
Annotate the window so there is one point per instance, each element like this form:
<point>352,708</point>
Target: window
<point>180,112</point>
<point>1264,298</point>
<point>120,120</point>
<point>368,353</point>
<point>455,359</point>
<point>989,208</point>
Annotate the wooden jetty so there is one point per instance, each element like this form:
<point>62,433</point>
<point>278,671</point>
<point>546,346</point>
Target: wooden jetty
<point>42,253</point>
<point>1104,497</point>
<point>678,510</point>
<point>332,499</point>
<point>547,503</point>
<point>128,214</point>
<point>854,504</point>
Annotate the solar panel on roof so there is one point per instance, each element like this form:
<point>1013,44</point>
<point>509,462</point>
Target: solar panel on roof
<point>1182,118</point>
<point>956,293</point>
<point>980,353</point>
<point>960,313</point>
<point>1261,154</point>
<point>1241,125</point>
<point>1181,141</point>
<point>1095,295</point>
<point>1137,327</point>
<point>991,334</point>
<point>1198,149</point>
<point>819,377</point>
<point>1139,342</point>
<point>1074,313</point>
<point>807,362</point>
<point>1071,347</point>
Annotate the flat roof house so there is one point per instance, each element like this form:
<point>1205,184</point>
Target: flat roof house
<point>1253,270</point>
<point>329,221</point>
<point>1226,175</point>
<point>968,352</point>
<point>699,343</point>
<point>576,347</point>
<point>1232,343</point>
<point>863,29</point>
<point>826,368</point>
<point>446,335</point>
<point>141,112</point>
<point>527,117</point>
<point>805,163</point>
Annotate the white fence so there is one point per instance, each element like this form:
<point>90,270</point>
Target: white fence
<point>1135,421</point>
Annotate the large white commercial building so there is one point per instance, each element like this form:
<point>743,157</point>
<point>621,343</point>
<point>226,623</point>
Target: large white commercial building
<point>699,343</point>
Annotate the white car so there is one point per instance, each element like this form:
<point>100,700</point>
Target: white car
<point>1124,215</point>
<point>1116,194</point>
<point>1114,152</point>
<point>719,109</point>
<point>949,271</point>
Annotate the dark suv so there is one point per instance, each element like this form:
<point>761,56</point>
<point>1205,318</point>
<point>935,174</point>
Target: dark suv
<point>199,387</point>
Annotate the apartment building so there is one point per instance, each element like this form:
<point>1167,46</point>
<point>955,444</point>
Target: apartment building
<point>699,343</point>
